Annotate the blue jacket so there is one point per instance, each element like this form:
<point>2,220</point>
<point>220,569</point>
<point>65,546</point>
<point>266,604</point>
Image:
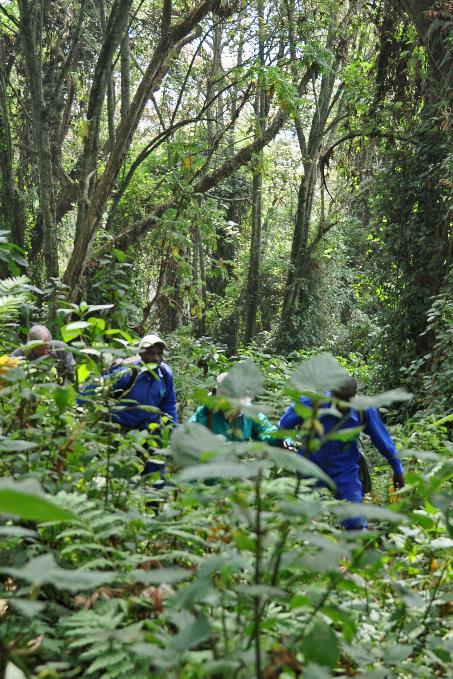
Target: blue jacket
<point>150,390</point>
<point>341,460</point>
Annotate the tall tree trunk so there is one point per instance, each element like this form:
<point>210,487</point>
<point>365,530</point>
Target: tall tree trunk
<point>114,31</point>
<point>299,246</point>
<point>31,40</point>
<point>92,204</point>
<point>215,112</point>
<point>11,205</point>
<point>199,278</point>
<point>326,95</point>
<point>428,245</point>
<point>253,279</point>
<point>110,82</point>
<point>237,195</point>
<point>169,302</point>
<point>125,76</point>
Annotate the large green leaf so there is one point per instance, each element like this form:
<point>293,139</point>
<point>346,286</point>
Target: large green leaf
<point>344,435</point>
<point>320,645</point>
<point>265,591</point>
<point>386,398</point>
<point>243,381</point>
<point>27,500</point>
<point>72,330</point>
<point>192,631</point>
<point>368,511</point>
<point>27,607</point>
<point>195,592</point>
<point>221,470</point>
<point>225,563</point>
<point>13,672</point>
<point>319,374</point>
<point>314,671</point>
<point>396,653</point>
<point>293,462</point>
<point>157,576</point>
<point>15,445</point>
<point>43,570</point>
<point>64,397</point>
<point>190,441</point>
<point>99,307</point>
<point>16,531</point>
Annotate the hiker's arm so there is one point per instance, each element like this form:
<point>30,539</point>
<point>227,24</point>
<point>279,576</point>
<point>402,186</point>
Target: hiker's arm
<point>65,364</point>
<point>200,416</point>
<point>121,378</point>
<point>290,419</point>
<point>262,430</point>
<point>382,440</point>
<point>168,404</point>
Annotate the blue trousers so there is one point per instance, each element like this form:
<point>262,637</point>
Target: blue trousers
<point>153,466</point>
<point>352,491</point>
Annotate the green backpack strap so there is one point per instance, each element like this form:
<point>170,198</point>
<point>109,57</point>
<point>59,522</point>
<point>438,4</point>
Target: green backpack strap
<point>135,372</point>
<point>122,393</point>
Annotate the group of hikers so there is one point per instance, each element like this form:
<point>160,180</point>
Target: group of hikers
<point>145,380</point>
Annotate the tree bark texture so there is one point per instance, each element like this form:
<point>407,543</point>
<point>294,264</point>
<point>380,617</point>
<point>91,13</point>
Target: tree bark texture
<point>94,207</point>
<point>326,96</point>
<point>31,16</point>
<point>261,111</point>
<point>10,201</point>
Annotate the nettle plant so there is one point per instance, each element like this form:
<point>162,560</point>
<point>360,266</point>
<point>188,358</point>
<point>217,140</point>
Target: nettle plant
<point>237,568</point>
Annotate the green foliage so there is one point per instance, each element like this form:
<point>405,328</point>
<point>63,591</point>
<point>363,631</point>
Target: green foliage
<point>11,254</point>
<point>14,295</point>
<point>434,370</point>
<point>25,498</point>
<point>240,559</point>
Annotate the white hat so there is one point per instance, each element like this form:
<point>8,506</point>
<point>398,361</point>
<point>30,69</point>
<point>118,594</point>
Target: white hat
<point>150,340</point>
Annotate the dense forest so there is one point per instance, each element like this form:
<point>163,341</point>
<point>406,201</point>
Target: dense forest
<point>259,193</point>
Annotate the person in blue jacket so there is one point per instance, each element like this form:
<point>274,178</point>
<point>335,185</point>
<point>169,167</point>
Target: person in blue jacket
<point>340,460</point>
<point>146,380</point>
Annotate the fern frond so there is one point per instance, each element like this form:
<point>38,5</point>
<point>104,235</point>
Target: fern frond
<point>14,286</point>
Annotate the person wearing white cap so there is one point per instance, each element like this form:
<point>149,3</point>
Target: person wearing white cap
<point>148,381</point>
<point>236,425</point>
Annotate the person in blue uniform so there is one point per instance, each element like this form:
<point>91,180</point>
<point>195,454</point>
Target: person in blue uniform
<point>340,460</point>
<point>144,380</point>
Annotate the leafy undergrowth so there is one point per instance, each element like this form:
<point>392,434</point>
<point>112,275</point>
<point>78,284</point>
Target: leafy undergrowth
<point>238,567</point>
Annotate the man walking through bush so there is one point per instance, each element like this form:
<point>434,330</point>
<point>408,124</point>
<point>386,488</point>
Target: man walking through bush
<point>341,460</point>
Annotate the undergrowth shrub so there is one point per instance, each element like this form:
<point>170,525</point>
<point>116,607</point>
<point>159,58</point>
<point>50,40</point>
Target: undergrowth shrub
<point>238,567</point>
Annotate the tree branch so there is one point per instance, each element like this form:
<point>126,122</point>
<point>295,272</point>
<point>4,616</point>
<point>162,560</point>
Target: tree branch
<point>242,157</point>
<point>166,17</point>
<point>69,59</point>
<point>155,71</point>
<point>10,17</point>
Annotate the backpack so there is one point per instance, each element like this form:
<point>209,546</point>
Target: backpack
<point>135,372</point>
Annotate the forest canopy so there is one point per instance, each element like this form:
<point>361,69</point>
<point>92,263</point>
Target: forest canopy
<point>271,170</point>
